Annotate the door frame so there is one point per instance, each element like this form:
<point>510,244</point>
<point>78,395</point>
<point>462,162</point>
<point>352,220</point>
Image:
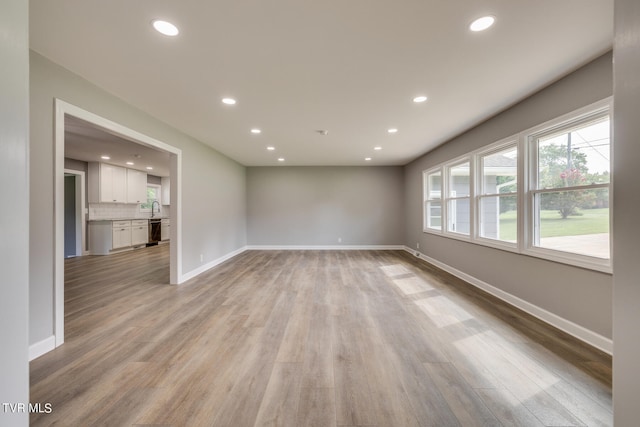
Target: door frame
<point>63,108</point>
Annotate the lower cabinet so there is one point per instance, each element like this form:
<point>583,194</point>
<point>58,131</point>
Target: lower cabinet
<point>139,232</point>
<point>100,237</point>
<point>165,229</point>
<point>106,236</point>
<point>121,234</point>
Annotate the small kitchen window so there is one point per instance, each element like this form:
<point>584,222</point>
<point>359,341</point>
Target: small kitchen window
<point>153,195</point>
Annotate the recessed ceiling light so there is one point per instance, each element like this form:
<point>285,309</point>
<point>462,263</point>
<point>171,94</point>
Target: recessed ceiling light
<point>228,101</point>
<point>149,168</point>
<point>256,131</point>
<point>378,148</point>
<point>270,148</point>
<point>166,28</point>
<point>392,130</point>
<point>105,157</point>
<point>368,159</point>
<point>281,159</point>
<point>130,163</point>
<point>482,24</point>
<point>420,98</point>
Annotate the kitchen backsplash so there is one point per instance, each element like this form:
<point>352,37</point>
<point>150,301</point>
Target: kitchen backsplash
<point>118,210</point>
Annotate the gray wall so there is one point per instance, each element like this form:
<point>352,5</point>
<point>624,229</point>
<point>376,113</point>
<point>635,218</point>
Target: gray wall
<point>317,205</point>
<point>152,179</point>
<point>14,217</point>
<point>79,165</point>
<point>581,296</point>
<point>213,186</point>
<point>76,165</point>
<point>626,205</point>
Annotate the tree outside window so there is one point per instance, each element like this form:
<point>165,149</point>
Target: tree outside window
<point>153,194</point>
<point>573,177</point>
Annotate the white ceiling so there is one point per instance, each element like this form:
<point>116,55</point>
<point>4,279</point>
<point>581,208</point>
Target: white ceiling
<point>350,67</point>
<point>87,142</point>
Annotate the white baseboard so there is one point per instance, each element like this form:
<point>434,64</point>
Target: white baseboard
<point>592,338</point>
<point>210,265</point>
<point>38,349</point>
<point>325,247</point>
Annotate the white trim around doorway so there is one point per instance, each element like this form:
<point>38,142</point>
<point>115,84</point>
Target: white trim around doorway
<point>63,108</point>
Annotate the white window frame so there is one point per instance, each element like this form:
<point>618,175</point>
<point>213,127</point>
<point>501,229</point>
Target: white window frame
<point>427,199</point>
<point>527,165</point>
<point>449,197</point>
<point>159,199</point>
<point>567,122</point>
<point>511,142</point>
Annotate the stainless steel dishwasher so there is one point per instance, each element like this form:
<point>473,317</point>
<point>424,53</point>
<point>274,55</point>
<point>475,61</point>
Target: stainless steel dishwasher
<point>155,230</point>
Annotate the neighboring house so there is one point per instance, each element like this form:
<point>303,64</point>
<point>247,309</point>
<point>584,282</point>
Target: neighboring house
<point>500,174</point>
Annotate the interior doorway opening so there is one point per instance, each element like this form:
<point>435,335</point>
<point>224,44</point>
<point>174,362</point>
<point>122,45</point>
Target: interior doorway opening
<point>75,225</point>
<point>64,110</point>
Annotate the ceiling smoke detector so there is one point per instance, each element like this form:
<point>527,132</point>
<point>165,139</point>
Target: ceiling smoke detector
<point>322,132</point>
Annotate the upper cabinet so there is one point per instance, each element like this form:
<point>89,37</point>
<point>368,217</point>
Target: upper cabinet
<point>115,184</point>
<point>107,183</point>
<point>136,186</point>
<point>166,190</point>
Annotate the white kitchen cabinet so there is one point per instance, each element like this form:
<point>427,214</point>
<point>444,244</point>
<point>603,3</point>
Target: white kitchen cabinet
<point>121,234</point>
<point>115,184</point>
<point>107,183</point>
<point>139,232</point>
<point>165,229</point>
<point>136,186</point>
<point>100,237</point>
<point>166,190</point>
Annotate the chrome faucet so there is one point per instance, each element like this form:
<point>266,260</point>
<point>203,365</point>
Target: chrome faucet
<point>155,202</point>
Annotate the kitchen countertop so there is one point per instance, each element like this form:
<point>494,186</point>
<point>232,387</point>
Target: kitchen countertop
<point>126,219</point>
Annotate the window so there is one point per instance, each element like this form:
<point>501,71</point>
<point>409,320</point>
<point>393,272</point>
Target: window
<point>498,194</point>
<point>544,192</point>
<point>433,201</point>
<point>153,195</point>
<point>458,198</point>
<point>570,187</point>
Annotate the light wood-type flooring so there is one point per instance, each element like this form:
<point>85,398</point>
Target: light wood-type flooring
<point>307,338</point>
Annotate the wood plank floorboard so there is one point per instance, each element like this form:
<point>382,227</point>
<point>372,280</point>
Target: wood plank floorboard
<point>307,338</point>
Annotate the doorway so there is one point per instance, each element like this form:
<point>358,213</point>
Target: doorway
<point>74,214</point>
<point>63,109</point>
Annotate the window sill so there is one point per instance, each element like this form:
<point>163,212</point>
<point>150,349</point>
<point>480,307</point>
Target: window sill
<point>582,261</point>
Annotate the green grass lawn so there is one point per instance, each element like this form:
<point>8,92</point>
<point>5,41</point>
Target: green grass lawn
<point>591,221</point>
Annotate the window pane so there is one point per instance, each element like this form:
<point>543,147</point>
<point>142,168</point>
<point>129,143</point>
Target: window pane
<point>434,215</point>
<point>574,221</point>
<point>458,215</point>
<point>578,156</point>
<point>152,195</point>
<point>500,172</point>
<point>459,180</point>
<point>434,185</point>
<point>499,218</point>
